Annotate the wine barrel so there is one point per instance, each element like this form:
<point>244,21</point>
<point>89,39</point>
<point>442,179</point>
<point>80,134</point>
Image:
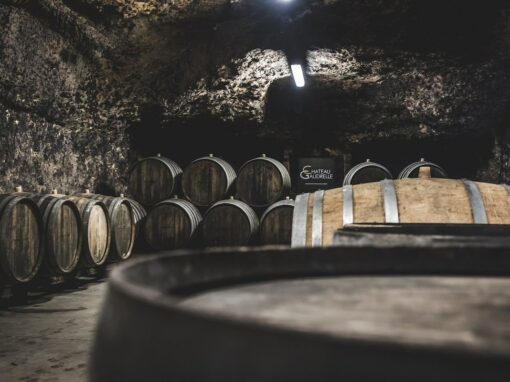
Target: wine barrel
<point>21,239</point>
<point>171,224</point>
<point>276,223</point>
<point>96,228</point>
<point>366,172</point>
<point>207,180</point>
<point>414,200</point>
<point>139,214</point>
<point>63,233</point>
<point>154,179</point>
<point>262,181</point>
<point>321,314</point>
<point>229,222</point>
<point>413,170</point>
<point>123,226</point>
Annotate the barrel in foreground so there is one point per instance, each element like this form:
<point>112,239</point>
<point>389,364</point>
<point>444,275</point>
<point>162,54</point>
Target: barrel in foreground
<point>317,216</point>
<point>295,314</point>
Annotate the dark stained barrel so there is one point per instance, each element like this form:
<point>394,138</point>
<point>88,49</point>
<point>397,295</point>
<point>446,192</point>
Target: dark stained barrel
<point>413,170</point>
<point>262,181</point>
<point>171,224</point>
<point>366,313</point>
<point>96,227</point>
<point>21,239</point>
<point>123,227</point>
<point>229,222</point>
<point>276,223</point>
<point>367,172</point>
<point>63,233</point>
<point>207,180</point>
<point>154,179</point>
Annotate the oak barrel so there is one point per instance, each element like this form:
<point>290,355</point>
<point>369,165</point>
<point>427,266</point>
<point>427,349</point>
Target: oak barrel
<point>276,223</point>
<point>63,233</point>
<point>207,180</point>
<point>171,224</point>
<point>367,172</point>
<point>21,239</point>
<point>96,227</point>
<point>154,179</point>
<point>262,181</point>
<point>229,222</point>
<point>413,170</point>
<point>315,314</point>
<point>414,200</point>
<point>123,224</point>
<point>139,214</point>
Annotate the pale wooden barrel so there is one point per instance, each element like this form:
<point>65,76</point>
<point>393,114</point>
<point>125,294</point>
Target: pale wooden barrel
<point>96,230</point>
<point>318,215</point>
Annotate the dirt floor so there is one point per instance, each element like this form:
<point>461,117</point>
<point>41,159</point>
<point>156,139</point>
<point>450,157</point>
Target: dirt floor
<point>48,339</point>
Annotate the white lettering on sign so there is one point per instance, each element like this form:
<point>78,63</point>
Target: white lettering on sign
<point>309,173</point>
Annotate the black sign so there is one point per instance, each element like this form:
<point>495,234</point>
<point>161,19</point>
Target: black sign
<point>315,174</point>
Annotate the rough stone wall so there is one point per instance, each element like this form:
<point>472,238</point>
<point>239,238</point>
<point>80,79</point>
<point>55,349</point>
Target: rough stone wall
<point>86,86</point>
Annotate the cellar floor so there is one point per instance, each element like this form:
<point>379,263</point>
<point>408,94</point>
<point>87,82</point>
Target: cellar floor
<point>49,338</point>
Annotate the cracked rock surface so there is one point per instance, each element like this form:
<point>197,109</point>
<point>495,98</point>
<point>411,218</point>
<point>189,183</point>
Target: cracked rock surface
<point>87,86</point>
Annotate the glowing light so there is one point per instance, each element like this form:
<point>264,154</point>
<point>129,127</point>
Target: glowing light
<point>297,73</point>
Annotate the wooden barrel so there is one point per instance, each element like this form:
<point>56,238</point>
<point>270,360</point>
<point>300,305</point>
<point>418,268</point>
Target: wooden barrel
<point>262,181</point>
<point>63,232</point>
<point>123,227</point>
<point>171,224</point>
<point>21,239</point>
<point>154,179</point>
<point>415,200</point>
<point>276,223</point>
<point>395,314</point>
<point>229,222</point>
<point>367,172</point>
<point>139,214</point>
<point>207,180</point>
<point>96,228</point>
<point>413,170</point>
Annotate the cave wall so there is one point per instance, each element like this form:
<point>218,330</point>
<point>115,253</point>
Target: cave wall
<point>87,86</point>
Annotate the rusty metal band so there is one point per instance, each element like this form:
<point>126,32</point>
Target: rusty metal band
<point>299,221</point>
<point>318,203</point>
<point>390,201</point>
<point>348,205</point>
<point>476,201</point>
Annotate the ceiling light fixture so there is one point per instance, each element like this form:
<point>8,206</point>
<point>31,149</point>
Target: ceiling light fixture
<point>297,73</point>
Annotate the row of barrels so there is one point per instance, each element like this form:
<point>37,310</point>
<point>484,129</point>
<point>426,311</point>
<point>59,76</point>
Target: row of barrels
<point>56,234</point>
<point>259,182</point>
<point>368,171</point>
<point>177,223</point>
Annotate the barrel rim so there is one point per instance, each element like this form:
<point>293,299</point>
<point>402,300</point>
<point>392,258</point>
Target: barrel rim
<point>406,171</point>
<point>353,171</point>
<point>5,267</point>
<point>393,261</point>
<point>279,204</point>
<point>282,171</point>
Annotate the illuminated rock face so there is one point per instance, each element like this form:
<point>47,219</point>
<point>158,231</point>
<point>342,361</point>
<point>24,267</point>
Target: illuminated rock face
<point>86,86</point>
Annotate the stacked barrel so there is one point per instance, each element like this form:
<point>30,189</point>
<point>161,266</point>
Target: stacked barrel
<point>209,203</point>
<point>55,235</point>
